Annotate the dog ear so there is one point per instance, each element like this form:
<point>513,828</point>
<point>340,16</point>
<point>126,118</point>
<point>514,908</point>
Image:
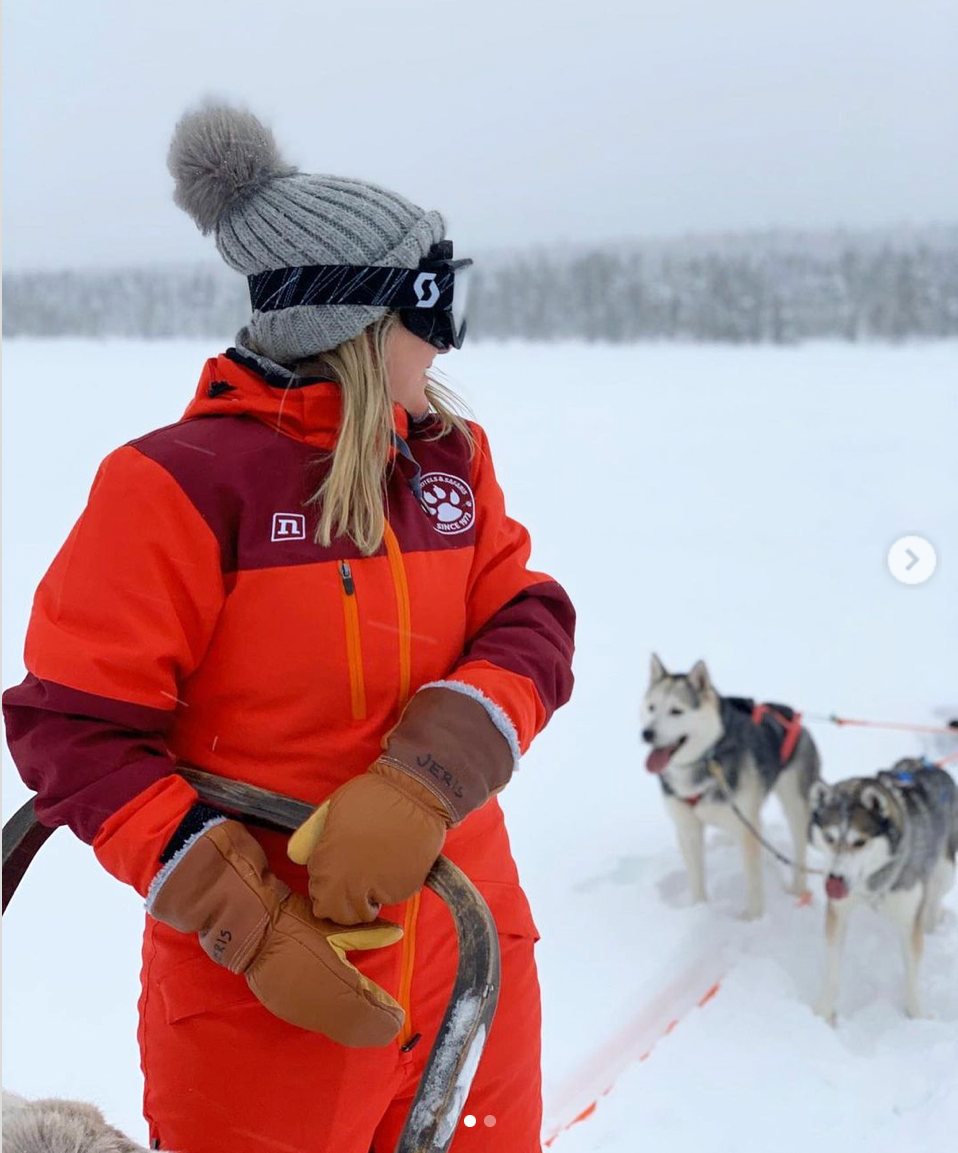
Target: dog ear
<point>819,794</point>
<point>699,677</point>
<point>905,765</point>
<point>657,671</point>
<point>876,800</point>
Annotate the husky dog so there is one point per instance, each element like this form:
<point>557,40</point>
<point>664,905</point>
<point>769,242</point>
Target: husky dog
<point>55,1126</point>
<point>694,733</point>
<point>890,842</point>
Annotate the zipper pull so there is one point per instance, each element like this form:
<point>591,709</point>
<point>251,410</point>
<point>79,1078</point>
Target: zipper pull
<point>347,575</point>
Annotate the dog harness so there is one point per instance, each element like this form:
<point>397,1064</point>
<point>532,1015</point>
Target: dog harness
<point>783,722</point>
<point>783,717</point>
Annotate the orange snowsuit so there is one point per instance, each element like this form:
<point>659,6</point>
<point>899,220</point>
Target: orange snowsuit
<point>190,617</point>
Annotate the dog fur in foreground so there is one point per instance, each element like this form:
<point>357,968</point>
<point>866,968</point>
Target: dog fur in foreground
<point>56,1126</point>
<point>689,725</point>
<point>890,842</point>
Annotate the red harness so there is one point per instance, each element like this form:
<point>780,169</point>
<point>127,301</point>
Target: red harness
<point>792,729</point>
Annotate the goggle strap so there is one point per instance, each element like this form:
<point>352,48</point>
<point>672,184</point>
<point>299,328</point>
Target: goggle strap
<point>369,285</point>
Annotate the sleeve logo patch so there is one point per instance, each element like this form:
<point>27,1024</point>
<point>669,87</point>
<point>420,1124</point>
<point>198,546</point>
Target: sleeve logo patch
<point>288,526</point>
<point>449,502</point>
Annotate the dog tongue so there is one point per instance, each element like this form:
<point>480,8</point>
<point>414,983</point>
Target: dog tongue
<point>659,758</point>
<point>835,887</point>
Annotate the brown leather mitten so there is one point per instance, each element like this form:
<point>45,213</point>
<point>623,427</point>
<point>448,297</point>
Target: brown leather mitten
<point>250,922</point>
<point>376,838</point>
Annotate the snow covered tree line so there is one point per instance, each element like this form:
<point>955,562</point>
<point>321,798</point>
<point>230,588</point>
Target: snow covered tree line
<point>775,287</point>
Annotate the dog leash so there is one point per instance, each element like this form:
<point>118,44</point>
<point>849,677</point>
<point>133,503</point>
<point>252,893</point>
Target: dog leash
<point>951,729</point>
<point>718,773</point>
<point>715,768</point>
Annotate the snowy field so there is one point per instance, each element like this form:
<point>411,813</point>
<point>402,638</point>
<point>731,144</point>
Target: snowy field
<point>728,503</point>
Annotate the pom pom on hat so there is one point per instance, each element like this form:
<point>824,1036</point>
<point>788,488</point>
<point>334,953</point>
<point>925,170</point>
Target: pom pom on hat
<point>218,156</point>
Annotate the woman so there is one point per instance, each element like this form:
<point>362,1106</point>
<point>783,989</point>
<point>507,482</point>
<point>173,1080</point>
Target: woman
<point>310,584</point>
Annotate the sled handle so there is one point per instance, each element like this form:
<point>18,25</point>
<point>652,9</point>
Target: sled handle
<point>434,1114</point>
<point>23,837</point>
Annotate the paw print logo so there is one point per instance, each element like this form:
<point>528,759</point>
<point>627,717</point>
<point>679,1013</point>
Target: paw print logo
<point>448,501</point>
<point>442,504</point>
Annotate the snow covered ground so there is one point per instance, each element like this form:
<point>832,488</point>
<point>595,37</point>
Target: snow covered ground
<point>731,503</point>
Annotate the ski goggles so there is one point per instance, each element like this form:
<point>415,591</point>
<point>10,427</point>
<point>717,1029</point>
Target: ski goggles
<point>430,299</point>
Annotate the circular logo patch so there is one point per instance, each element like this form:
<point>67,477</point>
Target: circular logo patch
<point>448,501</point>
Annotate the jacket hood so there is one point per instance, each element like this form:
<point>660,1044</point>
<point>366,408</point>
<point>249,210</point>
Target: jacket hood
<point>239,383</point>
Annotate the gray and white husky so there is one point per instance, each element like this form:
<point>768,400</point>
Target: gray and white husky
<point>759,749</point>
<point>890,842</point>
<point>57,1126</point>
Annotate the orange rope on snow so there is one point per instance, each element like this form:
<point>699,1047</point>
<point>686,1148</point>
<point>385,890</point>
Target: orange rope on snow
<point>587,1112</point>
<point>634,1043</point>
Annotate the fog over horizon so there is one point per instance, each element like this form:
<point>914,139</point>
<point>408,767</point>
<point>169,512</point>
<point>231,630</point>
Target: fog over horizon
<point>524,125</point>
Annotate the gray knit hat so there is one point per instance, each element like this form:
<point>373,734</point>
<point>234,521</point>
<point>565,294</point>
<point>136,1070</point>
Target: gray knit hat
<point>265,214</point>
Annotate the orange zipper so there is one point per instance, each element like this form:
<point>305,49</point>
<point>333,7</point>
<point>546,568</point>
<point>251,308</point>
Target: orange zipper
<point>394,552</point>
<point>354,651</point>
<point>404,614</point>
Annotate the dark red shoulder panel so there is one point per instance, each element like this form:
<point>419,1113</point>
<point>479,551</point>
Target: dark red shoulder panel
<point>250,485</point>
<point>84,755</point>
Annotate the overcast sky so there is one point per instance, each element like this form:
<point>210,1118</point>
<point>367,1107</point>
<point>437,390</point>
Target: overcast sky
<point>521,121</point>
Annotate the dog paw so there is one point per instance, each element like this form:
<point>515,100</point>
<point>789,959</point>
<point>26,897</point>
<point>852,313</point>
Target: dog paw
<point>752,913</point>
<point>913,1011</point>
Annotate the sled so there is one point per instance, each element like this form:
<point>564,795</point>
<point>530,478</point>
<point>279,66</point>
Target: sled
<point>441,1095</point>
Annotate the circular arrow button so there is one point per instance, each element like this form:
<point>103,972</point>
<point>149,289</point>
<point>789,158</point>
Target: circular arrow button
<point>912,560</point>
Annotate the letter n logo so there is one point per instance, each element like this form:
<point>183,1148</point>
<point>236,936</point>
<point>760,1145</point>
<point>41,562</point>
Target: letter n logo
<point>289,526</point>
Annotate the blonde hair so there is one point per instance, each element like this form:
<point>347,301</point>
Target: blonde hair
<point>352,498</point>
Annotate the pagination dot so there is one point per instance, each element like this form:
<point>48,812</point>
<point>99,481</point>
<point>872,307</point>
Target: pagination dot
<point>468,1120</point>
<point>489,1121</point>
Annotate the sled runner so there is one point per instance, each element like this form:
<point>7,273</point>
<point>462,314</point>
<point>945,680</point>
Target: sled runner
<point>449,1071</point>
